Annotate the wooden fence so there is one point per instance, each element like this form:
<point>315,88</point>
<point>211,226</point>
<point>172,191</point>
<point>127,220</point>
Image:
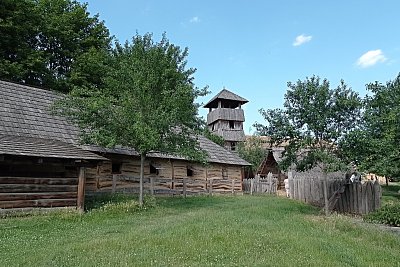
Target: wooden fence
<point>176,186</point>
<point>343,196</point>
<point>268,185</point>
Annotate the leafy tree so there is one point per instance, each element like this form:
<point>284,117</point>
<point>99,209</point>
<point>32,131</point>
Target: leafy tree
<point>314,120</point>
<point>47,42</point>
<point>147,102</point>
<point>213,137</point>
<point>374,147</point>
<point>252,151</point>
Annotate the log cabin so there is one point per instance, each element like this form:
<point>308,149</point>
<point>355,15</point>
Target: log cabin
<point>43,164</point>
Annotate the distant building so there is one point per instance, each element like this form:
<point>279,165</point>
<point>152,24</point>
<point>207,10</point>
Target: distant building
<point>226,116</point>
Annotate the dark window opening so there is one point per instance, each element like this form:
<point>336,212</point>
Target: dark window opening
<point>189,171</point>
<point>233,146</point>
<point>116,167</point>
<point>232,124</point>
<point>153,170</point>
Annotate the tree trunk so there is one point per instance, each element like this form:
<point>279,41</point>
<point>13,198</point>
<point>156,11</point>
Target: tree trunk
<point>387,180</point>
<point>142,158</point>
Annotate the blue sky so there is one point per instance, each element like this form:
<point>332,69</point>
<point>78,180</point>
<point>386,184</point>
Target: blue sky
<point>253,48</point>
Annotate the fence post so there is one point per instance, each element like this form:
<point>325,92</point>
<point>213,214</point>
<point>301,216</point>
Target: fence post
<point>210,188</point>
<point>291,184</point>
<point>233,186</point>
<point>251,186</point>
<point>269,176</point>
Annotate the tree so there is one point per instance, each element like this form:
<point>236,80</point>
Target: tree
<point>47,42</point>
<point>314,120</point>
<point>147,102</point>
<point>252,151</point>
<point>374,147</point>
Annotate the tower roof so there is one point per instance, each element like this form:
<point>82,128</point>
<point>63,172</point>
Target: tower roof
<point>226,95</point>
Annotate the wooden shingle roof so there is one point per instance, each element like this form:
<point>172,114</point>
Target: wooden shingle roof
<point>226,95</point>
<point>27,127</point>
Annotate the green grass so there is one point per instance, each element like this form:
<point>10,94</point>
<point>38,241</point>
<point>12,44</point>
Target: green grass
<point>390,193</point>
<point>196,231</point>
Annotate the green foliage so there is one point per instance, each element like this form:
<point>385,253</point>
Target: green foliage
<point>51,43</point>
<point>252,151</point>
<point>213,137</point>
<point>374,146</point>
<point>314,119</point>
<point>388,214</point>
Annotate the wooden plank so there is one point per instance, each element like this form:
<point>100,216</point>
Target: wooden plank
<point>28,188</point>
<point>39,203</point>
<point>33,196</point>
<point>43,181</point>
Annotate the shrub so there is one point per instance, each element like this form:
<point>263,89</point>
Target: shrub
<point>388,214</point>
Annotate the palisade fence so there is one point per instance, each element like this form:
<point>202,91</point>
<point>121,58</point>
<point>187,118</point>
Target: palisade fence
<point>257,184</point>
<point>344,196</point>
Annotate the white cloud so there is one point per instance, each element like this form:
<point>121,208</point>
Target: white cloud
<point>302,39</point>
<point>371,58</point>
<point>194,20</point>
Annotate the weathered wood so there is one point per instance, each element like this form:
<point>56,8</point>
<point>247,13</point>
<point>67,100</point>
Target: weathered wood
<point>80,201</point>
<point>34,196</point>
<point>38,181</point>
<point>40,203</point>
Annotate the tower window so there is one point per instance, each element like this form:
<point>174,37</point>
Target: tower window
<point>232,124</point>
<point>233,146</point>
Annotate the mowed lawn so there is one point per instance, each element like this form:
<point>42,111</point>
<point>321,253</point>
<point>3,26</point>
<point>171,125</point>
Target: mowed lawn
<point>198,231</point>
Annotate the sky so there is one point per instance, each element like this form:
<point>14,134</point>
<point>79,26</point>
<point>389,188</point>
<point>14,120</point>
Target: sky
<point>254,47</point>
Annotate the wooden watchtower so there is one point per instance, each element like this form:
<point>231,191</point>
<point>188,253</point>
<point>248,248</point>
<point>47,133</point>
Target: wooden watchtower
<point>225,117</point>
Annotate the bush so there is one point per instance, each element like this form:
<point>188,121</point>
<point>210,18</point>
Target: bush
<point>388,214</point>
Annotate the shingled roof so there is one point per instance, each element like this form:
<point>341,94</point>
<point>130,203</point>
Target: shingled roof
<point>27,127</point>
<point>226,95</point>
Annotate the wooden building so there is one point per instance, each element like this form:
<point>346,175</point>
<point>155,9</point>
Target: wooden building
<point>42,163</point>
<point>226,116</point>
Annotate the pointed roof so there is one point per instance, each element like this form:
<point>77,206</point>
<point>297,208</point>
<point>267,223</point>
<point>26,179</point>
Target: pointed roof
<point>226,95</point>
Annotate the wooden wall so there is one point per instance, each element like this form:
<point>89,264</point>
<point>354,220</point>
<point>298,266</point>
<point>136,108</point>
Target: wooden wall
<point>172,177</point>
<point>27,184</point>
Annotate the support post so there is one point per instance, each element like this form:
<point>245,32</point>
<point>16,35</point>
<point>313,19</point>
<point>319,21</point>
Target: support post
<point>152,186</point>
<point>114,183</point>
<point>184,186</point>
<point>81,190</point>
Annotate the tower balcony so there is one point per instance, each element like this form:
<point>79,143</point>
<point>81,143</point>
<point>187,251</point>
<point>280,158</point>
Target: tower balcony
<point>225,114</point>
<point>235,135</point>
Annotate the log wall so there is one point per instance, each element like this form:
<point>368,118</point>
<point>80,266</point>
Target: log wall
<point>39,191</point>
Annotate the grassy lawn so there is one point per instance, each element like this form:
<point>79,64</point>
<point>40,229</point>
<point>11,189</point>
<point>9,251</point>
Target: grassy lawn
<point>390,194</point>
<point>197,231</point>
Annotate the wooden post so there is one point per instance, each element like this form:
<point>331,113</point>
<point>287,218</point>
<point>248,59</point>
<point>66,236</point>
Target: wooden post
<point>233,186</point>
<point>114,183</point>
<point>210,187</point>
<point>81,190</point>
<point>270,183</point>
<point>291,185</point>
<point>251,186</point>
<point>326,193</point>
<point>152,185</point>
<point>184,186</point>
